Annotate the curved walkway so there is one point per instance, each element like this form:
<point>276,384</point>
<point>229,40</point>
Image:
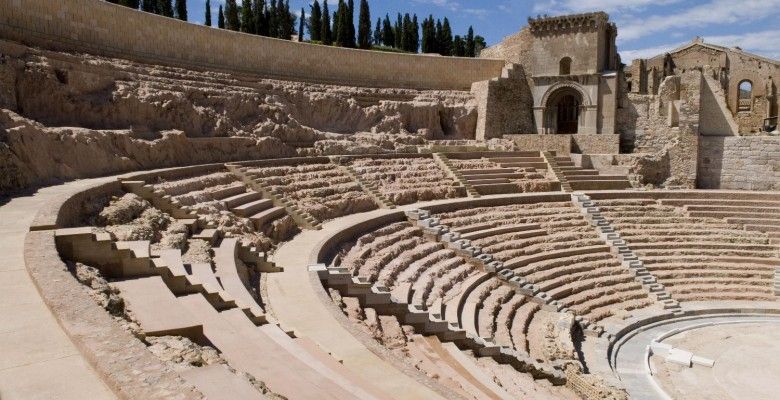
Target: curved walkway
<point>631,357</point>
<point>38,360</point>
<point>294,299</point>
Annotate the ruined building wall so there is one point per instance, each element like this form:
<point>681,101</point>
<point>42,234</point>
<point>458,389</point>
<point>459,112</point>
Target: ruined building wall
<point>740,163</point>
<point>102,28</point>
<point>730,67</point>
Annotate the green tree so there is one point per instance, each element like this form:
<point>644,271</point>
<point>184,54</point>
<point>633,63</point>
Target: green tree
<point>286,21</point>
<point>342,25</point>
<point>273,20</point>
<point>446,38</point>
<point>479,45</point>
<point>378,32</point>
<point>129,3</point>
<point>399,32</point>
<point>181,9</point>
<point>232,21</point>
<point>388,34</point>
<point>315,22</point>
<point>406,33</point>
<point>458,47</point>
<point>415,35</point>
<point>149,6</point>
<point>165,8</point>
<point>364,26</point>
<point>327,32</point>
<point>247,17</point>
<point>471,50</point>
<point>302,25</point>
<point>261,24</point>
<point>351,24</point>
<point>221,18</point>
<point>207,21</point>
<point>429,36</point>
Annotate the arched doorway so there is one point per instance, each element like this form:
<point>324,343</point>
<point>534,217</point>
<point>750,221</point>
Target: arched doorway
<point>563,109</point>
<point>568,114</point>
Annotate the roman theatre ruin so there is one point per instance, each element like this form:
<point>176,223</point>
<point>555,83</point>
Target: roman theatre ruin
<point>195,213</point>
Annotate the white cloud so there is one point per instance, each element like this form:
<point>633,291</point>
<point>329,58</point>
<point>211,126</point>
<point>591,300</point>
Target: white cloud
<point>627,56</point>
<point>576,6</point>
<point>715,12</point>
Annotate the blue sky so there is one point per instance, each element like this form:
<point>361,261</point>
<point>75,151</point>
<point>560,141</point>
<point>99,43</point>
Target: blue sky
<point>645,27</point>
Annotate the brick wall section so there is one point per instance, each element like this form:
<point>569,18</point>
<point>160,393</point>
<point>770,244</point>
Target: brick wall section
<point>744,163</point>
<point>102,28</point>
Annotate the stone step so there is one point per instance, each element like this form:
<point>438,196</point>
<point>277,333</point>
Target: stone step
<point>240,199</point>
<point>266,216</point>
<point>254,207</point>
<point>601,185</point>
<point>497,188</point>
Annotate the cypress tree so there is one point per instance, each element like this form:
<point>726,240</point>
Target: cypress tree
<point>470,44</point>
<point>364,26</point>
<point>406,33</point>
<point>458,47</point>
<point>273,21</point>
<point>221,18</point>
<point>207,21</point>
<point>128,3</point>
<point>327,33</point>
<point>261,24</point>
<point>231,15</point>
<point>415,34</point>
<point>446,38</point>
<point>247,19</point>
<point>286,21</point>
<point>165,8</point>
<point>149,6</point>
<point>315,22</point>
<point>335,18</point>
<point>301,25</point>
<point>388,35</point>
<point>479,45</point>
<point>378,32</point>
<point>439,37</point>
<point>399,32</point>
<point>342,25</point>
<point>113,1</point>
<point>351,24</point>
<point>181,9</point>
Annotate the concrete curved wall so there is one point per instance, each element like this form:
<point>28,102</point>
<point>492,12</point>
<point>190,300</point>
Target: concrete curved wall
<point>103,28</point>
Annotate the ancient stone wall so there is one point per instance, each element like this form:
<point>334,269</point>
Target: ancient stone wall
<point>503,105</point>
<point>744,163</point>
<point>103,28</point>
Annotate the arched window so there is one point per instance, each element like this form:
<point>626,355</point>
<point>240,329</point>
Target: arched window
<point>745,95</point>
<point>565,68</point>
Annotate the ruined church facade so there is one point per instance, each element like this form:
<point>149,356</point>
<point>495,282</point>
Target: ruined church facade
<point>570,67</point>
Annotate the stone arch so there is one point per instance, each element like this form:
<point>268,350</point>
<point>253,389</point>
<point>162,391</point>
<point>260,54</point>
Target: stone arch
<point>586,100</point>
<point>567,108</point>
<point>745,95</point>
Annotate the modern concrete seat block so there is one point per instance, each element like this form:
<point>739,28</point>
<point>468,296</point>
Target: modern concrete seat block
<point>218,383</point>
<point>233,279</point>
<point>241,346</point>
<point>156,309</point>
<point>205,274</point>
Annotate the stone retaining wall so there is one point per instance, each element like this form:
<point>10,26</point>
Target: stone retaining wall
<point>742,163</point>
<point>110,30</point>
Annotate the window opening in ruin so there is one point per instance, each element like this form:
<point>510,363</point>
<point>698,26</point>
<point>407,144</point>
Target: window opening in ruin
<point>745,96</point>
<point>568,114</point>
<point>565,66</point>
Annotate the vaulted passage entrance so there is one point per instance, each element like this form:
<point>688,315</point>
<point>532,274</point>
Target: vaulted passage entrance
<point>563,111</point>
<point>568,114</point>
